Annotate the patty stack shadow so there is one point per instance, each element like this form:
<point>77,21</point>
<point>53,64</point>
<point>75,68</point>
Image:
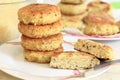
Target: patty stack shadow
<point>40,26</point>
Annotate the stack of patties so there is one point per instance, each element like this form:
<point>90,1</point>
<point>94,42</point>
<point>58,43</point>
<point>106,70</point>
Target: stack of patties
<point>73,11</point>
<point>100,24</point>
<point>40,27</point>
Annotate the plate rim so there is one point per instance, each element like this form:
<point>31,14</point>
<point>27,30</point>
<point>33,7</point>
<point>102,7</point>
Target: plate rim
<point>92,38</point>
<point>26,78</point>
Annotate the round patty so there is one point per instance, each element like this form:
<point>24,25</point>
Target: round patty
<point>39,14</point>
<point>41,57</point>
<point>99,18</point>
<point>71,9</point>
<point>99,6</point>
<point>40,31</point>
<point>101,29</point>
<point>42,44</point>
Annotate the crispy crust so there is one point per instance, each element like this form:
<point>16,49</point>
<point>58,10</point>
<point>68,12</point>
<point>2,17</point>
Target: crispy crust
<point>41,57</point>
<point>101,29</point>
<point>73,60</point>
<point>95,48</point>
<point>40,31</point>
<point>99,6</point>
<point>99,18</point>
<point>66,54</point>
<point>70,9</point>
<point>73,1</point>
<point>42,44</point>
<point>39,14</point>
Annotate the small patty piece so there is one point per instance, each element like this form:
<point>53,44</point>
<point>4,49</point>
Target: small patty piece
<point>73,1</point>
<point>97,49</point>
<point>40,31</point>
<point>39,14</point>
<point>71,9</point>
<point>41,57</point>
<point>99,18</point>
<point>73,60</point>
<point>42,44</point>
<point>99,6</point>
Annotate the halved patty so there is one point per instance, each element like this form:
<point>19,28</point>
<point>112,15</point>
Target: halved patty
<point>74,60</point>
<point>97,49</point>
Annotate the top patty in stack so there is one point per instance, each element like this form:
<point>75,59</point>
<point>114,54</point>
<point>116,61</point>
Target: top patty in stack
<point>39,14</point>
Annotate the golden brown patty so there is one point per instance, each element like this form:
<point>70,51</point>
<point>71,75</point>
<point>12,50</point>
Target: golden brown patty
<point>99,6</point>
<point>99,17</point>
<point>97,49</point>
<point>101,29</point>
<point>41,57</point>
<point>39,14</point>
<point>73,1</point>
<point>73,60</point>
<point>40,31</point>
<point>42,44</point>
<point>74,21</point>
<point>71,9</point>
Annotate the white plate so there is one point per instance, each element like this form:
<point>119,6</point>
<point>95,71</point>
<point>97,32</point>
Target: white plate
<point>13,62</point>
<point>73,32</point>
